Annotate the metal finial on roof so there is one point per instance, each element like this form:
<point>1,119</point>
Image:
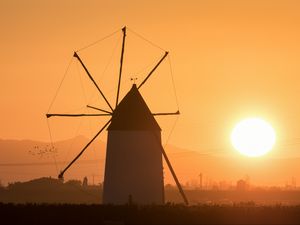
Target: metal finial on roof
<point>134,79</point>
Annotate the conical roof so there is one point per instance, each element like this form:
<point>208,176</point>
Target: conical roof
<point>132,113</point>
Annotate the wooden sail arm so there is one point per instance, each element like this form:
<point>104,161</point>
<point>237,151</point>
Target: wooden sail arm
<point>171,170</point>
<point>92,79</point>
<point>166,114</point>
<point>174,175</point>
<point>96,108</point>
<point>75,115</point>
<point>61,174</point>
<point>154,68</point>
<point>121,65</point>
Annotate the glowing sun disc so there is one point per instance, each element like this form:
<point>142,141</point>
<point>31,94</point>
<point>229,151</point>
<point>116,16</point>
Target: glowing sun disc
<point>253,137</point>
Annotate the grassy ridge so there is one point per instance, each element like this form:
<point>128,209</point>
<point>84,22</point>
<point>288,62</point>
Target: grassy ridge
<point>132,214</point>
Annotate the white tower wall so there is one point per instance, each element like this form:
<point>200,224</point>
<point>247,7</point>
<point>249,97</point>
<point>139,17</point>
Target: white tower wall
<point>133,168</point>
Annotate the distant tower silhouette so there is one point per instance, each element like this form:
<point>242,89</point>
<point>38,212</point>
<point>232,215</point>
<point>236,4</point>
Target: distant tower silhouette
<point>200,181</point>
<point>85,182</point>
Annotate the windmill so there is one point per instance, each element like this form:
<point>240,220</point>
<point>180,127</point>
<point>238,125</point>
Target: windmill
<point>134,152</point>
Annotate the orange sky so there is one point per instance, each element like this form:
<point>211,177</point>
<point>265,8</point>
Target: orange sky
<point>231,60</point>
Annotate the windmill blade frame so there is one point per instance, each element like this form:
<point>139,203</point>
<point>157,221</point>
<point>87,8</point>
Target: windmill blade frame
<point>96,108</point>
<point>154,68</point>
<point>114,111</point>
<point>61,174</point>
<point>75,115</point>
<point>92,79</point>
<point>121,65</point>
<point>166,113</point>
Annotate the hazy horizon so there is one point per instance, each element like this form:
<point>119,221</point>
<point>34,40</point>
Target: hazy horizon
<point>229,60</point>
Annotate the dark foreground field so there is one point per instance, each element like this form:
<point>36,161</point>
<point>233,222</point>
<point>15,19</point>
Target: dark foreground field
<point>131,214</point>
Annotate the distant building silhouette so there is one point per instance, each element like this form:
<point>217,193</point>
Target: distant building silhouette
<point>200,181</point>
<point>241,185</point>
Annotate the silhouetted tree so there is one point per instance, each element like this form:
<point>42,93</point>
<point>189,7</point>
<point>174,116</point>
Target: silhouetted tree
<point>73,182</point>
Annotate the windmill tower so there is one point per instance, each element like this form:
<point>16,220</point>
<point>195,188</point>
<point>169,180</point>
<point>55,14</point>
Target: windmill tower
<point>133,157</point>
<point>134,153</point>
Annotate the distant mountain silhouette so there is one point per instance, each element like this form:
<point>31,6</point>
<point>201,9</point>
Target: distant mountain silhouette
<point>22,160</point>
<point>18,151</point>
<point>18,164</point>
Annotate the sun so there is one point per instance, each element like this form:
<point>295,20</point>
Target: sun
<point>253,137</point>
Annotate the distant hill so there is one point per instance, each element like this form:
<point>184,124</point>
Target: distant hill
<point>22,160</point>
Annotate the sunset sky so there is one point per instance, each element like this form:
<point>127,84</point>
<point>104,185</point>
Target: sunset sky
<point>230,60</point>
